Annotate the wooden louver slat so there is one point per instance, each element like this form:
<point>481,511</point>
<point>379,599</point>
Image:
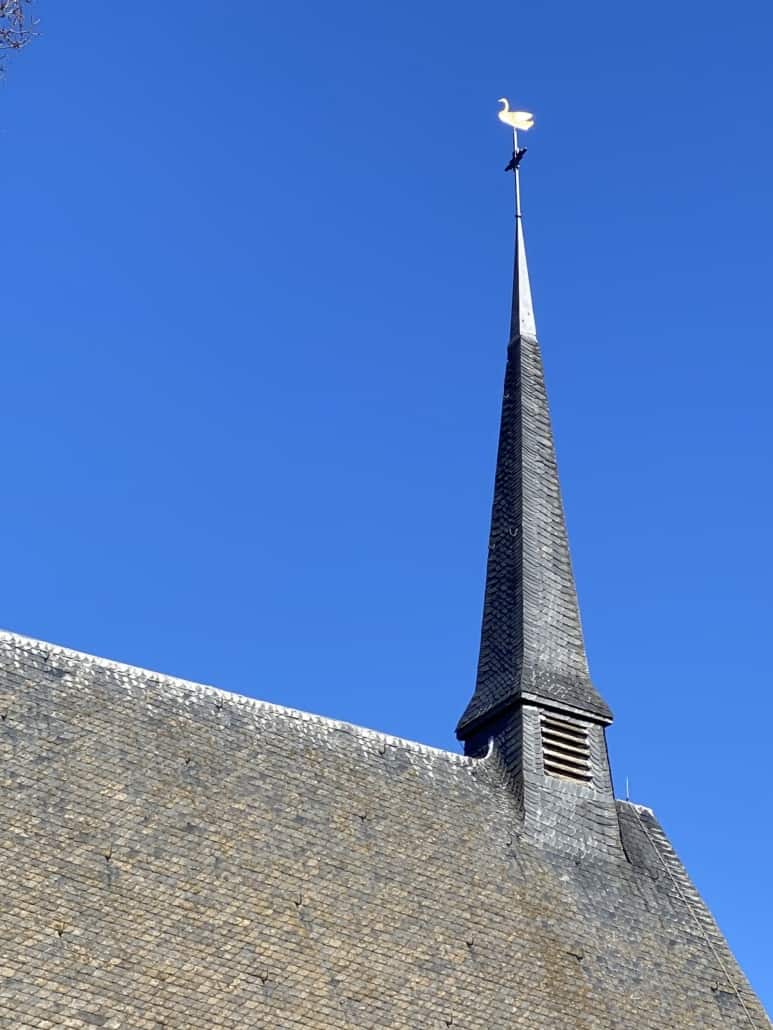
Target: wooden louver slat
<point>566,749</point>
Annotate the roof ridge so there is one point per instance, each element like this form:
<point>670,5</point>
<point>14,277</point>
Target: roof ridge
<point>137,672</point>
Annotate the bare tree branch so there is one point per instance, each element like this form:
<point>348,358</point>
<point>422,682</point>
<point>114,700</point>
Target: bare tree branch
<point>17,28</point>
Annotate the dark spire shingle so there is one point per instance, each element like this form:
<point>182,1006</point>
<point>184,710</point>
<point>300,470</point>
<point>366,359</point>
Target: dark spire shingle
<point>531,641</point>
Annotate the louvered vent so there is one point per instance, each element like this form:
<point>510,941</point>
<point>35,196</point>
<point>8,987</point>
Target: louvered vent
<point>565,749</point>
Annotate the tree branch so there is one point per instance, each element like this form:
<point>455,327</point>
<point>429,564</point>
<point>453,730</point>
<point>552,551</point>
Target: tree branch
<point>16,27</point>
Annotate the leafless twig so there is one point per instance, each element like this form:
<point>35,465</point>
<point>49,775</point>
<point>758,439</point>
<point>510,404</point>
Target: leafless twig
<point>17,28</point>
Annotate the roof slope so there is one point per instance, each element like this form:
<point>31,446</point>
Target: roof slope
<point>182,858</point>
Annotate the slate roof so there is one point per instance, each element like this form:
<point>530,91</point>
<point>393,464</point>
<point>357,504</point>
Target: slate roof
<point>178,857</point>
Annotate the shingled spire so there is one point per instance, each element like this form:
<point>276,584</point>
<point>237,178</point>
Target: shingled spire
<point>531,642</point>
<point>532,652</point>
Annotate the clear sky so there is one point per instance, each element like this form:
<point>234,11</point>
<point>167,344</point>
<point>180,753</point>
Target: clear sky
<point>255,307</point>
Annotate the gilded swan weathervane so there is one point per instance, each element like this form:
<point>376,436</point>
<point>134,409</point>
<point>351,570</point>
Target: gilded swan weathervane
<point>516,120</point>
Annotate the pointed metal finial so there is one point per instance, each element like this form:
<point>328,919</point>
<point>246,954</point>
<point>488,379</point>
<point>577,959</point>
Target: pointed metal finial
<point>523,310</point>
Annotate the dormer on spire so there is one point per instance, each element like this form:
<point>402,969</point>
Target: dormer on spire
<point>534,696</point>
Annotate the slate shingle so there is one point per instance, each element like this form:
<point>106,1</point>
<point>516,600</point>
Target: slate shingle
<point>178,857</point>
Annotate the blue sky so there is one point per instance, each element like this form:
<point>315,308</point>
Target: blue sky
<point>255,314</point>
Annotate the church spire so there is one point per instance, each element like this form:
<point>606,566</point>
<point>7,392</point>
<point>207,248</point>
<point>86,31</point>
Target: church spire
<point>532,643</point>
<point>534,697</point>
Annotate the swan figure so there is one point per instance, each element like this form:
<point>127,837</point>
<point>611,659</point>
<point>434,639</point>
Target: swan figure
<point>515,119</point>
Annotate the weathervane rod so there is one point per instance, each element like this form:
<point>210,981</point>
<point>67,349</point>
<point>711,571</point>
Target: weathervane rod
<point>516,120</point>
<point>517,174</point>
